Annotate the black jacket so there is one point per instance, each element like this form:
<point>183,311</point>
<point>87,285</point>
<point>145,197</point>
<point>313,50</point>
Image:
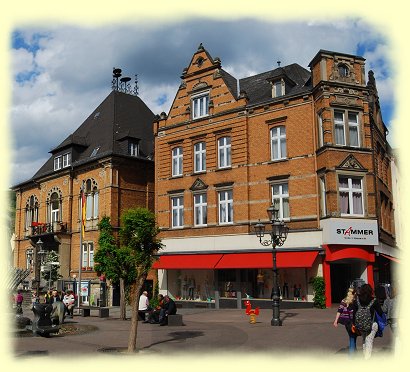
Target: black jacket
<point>170,307</point>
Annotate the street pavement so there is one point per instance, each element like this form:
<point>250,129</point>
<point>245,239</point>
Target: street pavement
<point>305,332</point>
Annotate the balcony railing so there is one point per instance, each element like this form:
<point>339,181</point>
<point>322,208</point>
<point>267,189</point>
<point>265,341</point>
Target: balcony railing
<point>40,228</point>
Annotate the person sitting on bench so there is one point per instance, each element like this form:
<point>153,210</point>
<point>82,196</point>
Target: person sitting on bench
<point>169,309</point>
<point>153,316</point>
<point>143,306</point>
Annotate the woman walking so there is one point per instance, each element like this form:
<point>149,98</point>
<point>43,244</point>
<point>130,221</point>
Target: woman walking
<point>363,311</point>
<point>344,316</point>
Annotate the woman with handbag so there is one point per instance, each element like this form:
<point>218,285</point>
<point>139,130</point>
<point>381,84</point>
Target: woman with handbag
<point>344,316</point>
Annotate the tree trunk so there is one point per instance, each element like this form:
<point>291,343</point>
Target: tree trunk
<point>136,289</point>
<point>123,311</point>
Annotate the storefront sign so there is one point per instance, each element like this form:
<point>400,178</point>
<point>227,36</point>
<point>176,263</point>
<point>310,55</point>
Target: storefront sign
<point>350,231</point>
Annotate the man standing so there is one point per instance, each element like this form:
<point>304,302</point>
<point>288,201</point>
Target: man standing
<point>143,306</point>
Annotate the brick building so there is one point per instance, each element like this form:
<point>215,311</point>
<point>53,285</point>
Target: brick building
<point>310,142</point>
<point>111,155</point>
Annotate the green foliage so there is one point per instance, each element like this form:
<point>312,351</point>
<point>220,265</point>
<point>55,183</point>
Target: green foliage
<point>319,300</point>
<point>139,235</point>
<point>51,275</point>
<point>111,259</point>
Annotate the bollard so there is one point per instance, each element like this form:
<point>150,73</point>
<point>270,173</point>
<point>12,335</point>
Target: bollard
<point>238,300</point>
<point>217,300</point>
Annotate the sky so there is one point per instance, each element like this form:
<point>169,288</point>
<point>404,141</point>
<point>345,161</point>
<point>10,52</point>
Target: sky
<point>60,74</point>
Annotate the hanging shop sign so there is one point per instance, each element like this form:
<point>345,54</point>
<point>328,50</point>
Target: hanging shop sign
<point>350,231</point>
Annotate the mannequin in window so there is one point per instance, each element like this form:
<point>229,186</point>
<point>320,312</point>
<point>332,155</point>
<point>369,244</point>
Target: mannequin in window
<point>184,288</point>
<point>260,281</point>
<point>191,288</point>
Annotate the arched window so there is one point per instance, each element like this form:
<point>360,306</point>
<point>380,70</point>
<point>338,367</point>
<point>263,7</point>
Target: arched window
<point>54,206</point>
<point>91,199</point>
<point>31,211</point>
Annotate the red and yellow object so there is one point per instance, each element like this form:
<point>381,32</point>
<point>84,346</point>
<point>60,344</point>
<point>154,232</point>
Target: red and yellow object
<point>251,312</point>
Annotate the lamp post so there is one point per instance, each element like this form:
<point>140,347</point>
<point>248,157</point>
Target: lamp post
<point>39,254</point>
<point>277,237</point>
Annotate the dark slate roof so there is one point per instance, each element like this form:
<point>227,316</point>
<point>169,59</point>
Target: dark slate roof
<point>119,117</point>
<point>230,82</point>
<point>259,89</point>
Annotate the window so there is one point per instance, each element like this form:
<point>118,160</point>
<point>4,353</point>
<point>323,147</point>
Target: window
<point>31,211</point>
<point>280,199</point>
<point>200,157</point>
<point>177,160</point>
<point>225,207</point>
<point>320,130</point>
<point>322,191</point>
<point>94,152</point>
<point>346,133</point>
<point>177,210</point>
<point>200,106</point>
<point>29,258</point>
<point>54,207</point>
<point>66,160</point>
<point>91,199</point>
<point>277,89</point>
<point>351,196</point>
<point>57,162</point>
<point>133,148</point>
<point>200,210</point>
<point>88,255</point>
<point>224,152</point>
<point>343,70</point>
<point>278,143</point>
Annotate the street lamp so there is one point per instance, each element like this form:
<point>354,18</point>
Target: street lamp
<point>278,235</point>
<point>39,254</point>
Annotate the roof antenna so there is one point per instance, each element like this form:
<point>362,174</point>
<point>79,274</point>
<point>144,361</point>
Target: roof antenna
<point>136,88</point>
<point>121,84</point>
<point>278,62</point>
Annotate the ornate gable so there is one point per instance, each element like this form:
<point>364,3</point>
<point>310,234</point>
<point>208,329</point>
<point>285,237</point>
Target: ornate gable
<point>198,185</point>
<point>351,163</point>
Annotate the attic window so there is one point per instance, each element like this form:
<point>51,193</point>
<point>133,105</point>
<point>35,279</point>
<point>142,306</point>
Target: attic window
<point>94,152</point>
<point>278,88</point>
<point>96,115</point>
<point>200,61</point>
<point>133,148</point>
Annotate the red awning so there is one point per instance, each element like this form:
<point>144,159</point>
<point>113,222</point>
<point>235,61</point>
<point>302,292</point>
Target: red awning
<point>390,258</point>
<point>265,260</point>
<point>187,261</point>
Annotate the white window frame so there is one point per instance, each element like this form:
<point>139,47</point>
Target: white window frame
<point>224,152</point>
<point>278,137</point>
<point>200,105</point>
<point>177,211</point>
<point>58,162</point>
<point>350,190</point>
<point>177,161</point>
<point>55,212</point>
<point>225,207</point>
<point>134,148</point>
<point>320,130</point>
<point>280,199</point>
<point>87,259</point>
<point>200,209</point>
<point>66,159</point>
<point>29,258</point>
<point>200,157</point>
<point>345,126</point>
<point>322,192</point>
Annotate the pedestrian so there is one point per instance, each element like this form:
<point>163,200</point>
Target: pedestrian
<point>19,302</point>
<point>69,302</point>
<point>363,314</point>
<point>143,306</point>
<point>47,297</point>
<point>344,316</point>
<point>169,309</point>
<point>390,307</point>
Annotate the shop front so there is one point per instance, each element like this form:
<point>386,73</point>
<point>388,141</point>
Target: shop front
<point>196,277</point>
<point>349,255</point>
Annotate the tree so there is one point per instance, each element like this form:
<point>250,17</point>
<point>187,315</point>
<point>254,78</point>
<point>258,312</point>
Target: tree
<point>139,234</point>
<point>51,266</point>
<point>114,261</point>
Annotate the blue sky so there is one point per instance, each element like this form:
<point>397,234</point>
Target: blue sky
<point>62,73</point>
